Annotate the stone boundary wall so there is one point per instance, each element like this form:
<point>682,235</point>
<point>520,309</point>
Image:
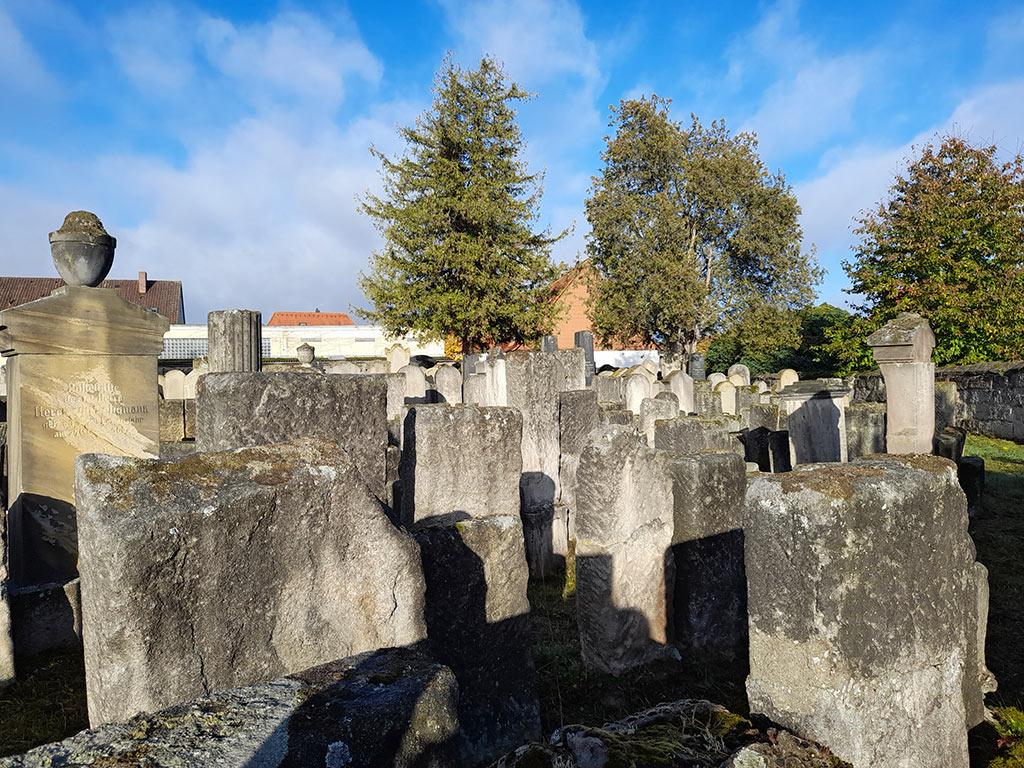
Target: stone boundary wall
<point>990,396</point>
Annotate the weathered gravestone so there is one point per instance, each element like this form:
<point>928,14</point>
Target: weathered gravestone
<point>236,410</point>
<point>697,369</point>
<point>680,384</point>
<point>478,624</point>
<point>236,340</point>
<point>82,377</point>
<point>448,385</point>
<point>534,381</point>
<point>624,569</point>
<point>585,340</point>
<point>415,384</point>
<point>398,357</point>
<point>664,407</point>
<point>864,609</point>
<point>393,708</point>
<point>815,417</point>
<point>460,458</point>
<point>230,568</point>
<point>903,350</point>
<point>637,388</point>
<point>742,374</point>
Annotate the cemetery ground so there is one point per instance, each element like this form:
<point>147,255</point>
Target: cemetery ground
<point>47,702</point>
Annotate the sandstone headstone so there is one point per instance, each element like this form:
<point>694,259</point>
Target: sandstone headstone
<point>690,435</point>
<point>496,377</point>
<point>726,392</point>
<point>448,385</point>
<point>474,389</point>
<point>236,340</point>
<point>172,421</point>
<point>478,624</point>
<point>741,372</point>
<point>787,376</point>
<point>815,413</point>
<point>460,458</point>
<point>236,410</point>
<point>655,409</point>
<point>680,384</point>
<point>534,382</point>
<point>398,357</point>
<point>610,388</point>
<point>716,378</point>
<point>578,415</point>
<point>863,608</point>
<point>624,576</point>
<point>415,384</point>
<point>637,389</point>
<point>903,350</point>
<point>189,385</point>
<point>230,568</point>
<point>82,377</point>
<point>174,385</point>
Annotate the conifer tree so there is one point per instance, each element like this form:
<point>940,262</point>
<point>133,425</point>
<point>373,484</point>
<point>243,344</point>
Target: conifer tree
<point>461,256</point>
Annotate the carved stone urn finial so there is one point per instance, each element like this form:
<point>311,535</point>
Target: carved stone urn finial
<point>305,353</point>
<point>82,250</point>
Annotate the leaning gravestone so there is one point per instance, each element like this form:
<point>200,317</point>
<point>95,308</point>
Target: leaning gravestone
<point>82,368</point>
<point>232,568</point>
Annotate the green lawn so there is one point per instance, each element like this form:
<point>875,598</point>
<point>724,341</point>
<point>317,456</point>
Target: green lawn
<point>999,536</point>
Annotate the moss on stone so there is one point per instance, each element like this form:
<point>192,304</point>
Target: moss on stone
<point>834,480</point>
<point>83,223</point>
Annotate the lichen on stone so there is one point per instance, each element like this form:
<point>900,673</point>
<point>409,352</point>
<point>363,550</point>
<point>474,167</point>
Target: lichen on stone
<point>83,223</point>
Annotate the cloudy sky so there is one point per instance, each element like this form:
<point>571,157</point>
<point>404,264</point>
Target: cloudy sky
<point>225,144</point>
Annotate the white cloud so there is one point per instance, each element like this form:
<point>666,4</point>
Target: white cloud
<point>812,96</point>
<point>21,69</point>
<point>855,179</point>
<point>155,47</point>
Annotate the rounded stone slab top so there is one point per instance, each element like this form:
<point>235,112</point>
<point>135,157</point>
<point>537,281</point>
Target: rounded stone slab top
<point>82,250</point>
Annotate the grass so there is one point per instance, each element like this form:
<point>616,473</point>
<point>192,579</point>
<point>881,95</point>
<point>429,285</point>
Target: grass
<point>998,534</point>
<point>46,703</point>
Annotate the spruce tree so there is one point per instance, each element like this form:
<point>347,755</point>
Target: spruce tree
<point>457,214</point>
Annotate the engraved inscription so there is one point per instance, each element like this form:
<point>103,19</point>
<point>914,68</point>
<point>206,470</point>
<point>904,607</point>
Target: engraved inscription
<point>78,404</point>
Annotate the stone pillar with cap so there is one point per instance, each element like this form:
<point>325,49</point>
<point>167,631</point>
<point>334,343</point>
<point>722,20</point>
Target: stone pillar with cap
<point>82,368</point>
<point>236,340</point>
<point>903,350</point>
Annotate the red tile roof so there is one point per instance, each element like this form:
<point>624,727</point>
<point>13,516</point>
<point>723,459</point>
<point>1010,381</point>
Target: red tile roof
<point>310,318</point>
<point>165,296</point>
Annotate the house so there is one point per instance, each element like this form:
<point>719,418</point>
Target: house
<point>163,296</point>
<point>315,318</point>
<point>571,293</point>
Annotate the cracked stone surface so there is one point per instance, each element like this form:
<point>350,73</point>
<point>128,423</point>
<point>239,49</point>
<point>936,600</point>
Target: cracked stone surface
<point>230,568</point>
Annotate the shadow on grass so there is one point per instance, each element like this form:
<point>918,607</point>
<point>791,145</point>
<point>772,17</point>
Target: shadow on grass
<point>46,703</point>
<point>998,534</point>
<point>571,694</point>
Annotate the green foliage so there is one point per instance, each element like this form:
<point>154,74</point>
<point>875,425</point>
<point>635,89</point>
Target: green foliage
<point>690,232</point>
<point>949,244</point>
<point>814,341</point>
<point>457,213</point>
<point>847,347</point>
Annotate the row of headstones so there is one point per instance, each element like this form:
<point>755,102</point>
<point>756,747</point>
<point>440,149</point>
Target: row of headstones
<point>853,588</point>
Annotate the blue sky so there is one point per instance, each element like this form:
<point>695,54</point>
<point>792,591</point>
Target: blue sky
<point>225,144</point>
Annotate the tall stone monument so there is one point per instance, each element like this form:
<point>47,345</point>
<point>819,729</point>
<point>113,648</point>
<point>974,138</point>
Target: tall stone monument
<point>82,368</point>
<point>585,341</point>
<point>903,350</point>
<point>236,340</point>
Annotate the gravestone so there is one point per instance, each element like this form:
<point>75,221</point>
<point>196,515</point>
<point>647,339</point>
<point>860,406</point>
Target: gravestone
<point>864,609</point>
<point>585,340</point>
<point>903,350</point>
<point>460,458</point>
<point>787,376</point>
<point>726,392</point>
<point>398,357</point>
<point>654,410</point>
<point>236,340</point>
<point>474,389</point>
<point>815,416</point>
<point>82,378</point>
<point>637,389</point>
<point>742,373</point>
<point>234,567</point>
<point>495,373</point>
<point>238,410</point>
<point>448,385</point>
<point>174,385</point>
<point>697,369</point>
<point>549,344</point>
<point>680,383</point>
<point>716,378</point>
<point>624,578</point>
<point>415,384</point>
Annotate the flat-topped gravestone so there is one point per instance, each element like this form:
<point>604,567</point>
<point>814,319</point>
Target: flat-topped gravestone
<point>82,368</point>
